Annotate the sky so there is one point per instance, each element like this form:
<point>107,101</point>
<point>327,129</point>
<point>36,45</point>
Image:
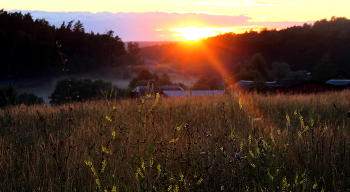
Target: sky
<point>170,20</point>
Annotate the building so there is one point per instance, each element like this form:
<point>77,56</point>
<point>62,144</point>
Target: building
<point>301,86</point>
<point>340,83</point>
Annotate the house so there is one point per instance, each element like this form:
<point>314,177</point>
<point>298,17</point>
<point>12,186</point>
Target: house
<point>244,85</point>
<point>340,83</point>
<point>301,86</point>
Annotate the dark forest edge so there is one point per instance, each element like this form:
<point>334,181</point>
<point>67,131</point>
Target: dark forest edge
<point>321,50</point>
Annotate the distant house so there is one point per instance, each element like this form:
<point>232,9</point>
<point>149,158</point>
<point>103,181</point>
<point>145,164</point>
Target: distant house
<point>288,86</point>
<point>245,85</point>
<point>301,86</point>
<point>339,83</point>
<point>242,85</point>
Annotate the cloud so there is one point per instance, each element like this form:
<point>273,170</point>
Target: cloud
<point>154,26</point>
<point>245,3</point>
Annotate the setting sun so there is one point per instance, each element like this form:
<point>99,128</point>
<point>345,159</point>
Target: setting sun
<point>196,33</point>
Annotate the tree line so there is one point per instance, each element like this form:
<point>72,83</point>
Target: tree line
<point>320,51</point>
<point>28,47</point>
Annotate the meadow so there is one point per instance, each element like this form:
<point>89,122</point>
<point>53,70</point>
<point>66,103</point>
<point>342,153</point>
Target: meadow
<point>251,142</point>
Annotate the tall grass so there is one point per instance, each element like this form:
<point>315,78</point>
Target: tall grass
<point>222,143</point>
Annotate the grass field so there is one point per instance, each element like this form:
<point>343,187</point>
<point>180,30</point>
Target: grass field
<point>247,143</point>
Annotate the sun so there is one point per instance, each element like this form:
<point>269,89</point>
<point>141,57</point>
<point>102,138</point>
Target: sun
<point>195,33</point>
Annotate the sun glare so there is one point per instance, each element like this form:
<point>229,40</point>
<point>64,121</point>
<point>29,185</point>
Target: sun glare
<point>196,33</point>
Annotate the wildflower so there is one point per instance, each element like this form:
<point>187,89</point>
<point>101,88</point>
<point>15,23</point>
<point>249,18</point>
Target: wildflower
<point>186,125</point>
<point>207,133</point>
<point>222,188</point>
<point>203,153</point>
<point>199,137</point>
<point>238,156</point>
<point>257,119</point>
<point>260,142</point>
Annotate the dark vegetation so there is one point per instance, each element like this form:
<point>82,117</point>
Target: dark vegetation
<point>9,96</point>
<point>83,90</point>
<point>145,77</point>
<point>253,142</point>
<point>28,47</point>
<point>322,49</point>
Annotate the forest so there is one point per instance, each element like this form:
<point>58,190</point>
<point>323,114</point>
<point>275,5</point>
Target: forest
<point>320,51</point>
<point>28,47</point>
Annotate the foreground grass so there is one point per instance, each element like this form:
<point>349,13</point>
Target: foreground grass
<point>250,143</point>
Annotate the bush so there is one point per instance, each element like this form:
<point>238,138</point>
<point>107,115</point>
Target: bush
<point>205,83</point>
<point>29,99</point>
<point>142,79</point>
<point>74,89</point>
<point>8,96</point>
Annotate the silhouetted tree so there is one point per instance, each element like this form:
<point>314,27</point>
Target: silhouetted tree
<point>82,90</point>
<point>28,47</point>
<point>299,46</point>
<point>205,83</point>
<point>324,70</point>
<point>143,78</point>
<point>252,69</point>
<point>164,80</point>
<point>280,70</point>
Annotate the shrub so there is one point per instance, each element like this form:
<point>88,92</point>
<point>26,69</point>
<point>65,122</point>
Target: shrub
<point>74,89</point>
<point>29,99</point>
<point>8,96</point>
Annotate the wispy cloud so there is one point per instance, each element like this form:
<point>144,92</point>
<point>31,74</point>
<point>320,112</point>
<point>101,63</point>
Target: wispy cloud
<point>244,3</point>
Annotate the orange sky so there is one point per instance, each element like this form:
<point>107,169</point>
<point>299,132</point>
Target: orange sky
<point>191,19</point>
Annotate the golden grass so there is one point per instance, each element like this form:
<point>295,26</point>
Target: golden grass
<point>252,142</point>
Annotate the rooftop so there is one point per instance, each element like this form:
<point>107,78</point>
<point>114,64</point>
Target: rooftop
<point>339,82</point>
